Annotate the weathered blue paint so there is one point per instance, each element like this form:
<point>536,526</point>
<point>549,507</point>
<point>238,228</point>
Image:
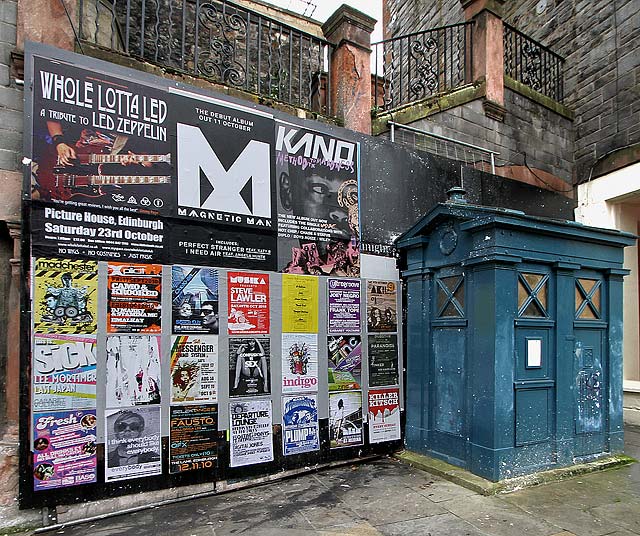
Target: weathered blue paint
<point>475,397</point>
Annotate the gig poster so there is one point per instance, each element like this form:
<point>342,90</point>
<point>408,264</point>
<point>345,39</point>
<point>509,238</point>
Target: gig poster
<point>64,372</point>
<point>224,162</point>
<point>134,293</point>
<point>383,360</point>
<point>318,220</point>
<point>345,419</point>
<point>99,141</point>
<point>248,303</point>
<point>384,415</point>
<point>344,306</point>
<point>381,306</point>
<point>299,362</point>
<point>194,368</point>
<point>64,449</point>
<point>345,362</point>
<point>300,294</point>
<point>300,432</point>
<point>133,443</point>
<point>251,432</point>
<point>73,232</point>
<point>65,297</point>
<point>193,438</point>
<point>249,366</point>
<point>133,370</point>
<point>194,298</point>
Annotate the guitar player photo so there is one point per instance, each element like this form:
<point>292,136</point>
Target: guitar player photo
<point>98,141</point>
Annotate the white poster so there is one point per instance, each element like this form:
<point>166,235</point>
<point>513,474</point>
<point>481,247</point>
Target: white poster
<point>299,362</point>
<point>194,368</point>
<point>384,415</point>
<point>251,432</point>
<point>133,443</point>
<point>133,370</point>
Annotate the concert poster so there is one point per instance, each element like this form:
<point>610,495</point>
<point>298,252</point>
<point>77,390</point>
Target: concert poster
<point>194,299</point>
<point>65,296</point>
<point>384,415</point>
<point>193,438</point>
<point>383,360</point>
<point>345,362</point>
<point>249,366</point>
<point>299,362</point>
<point>300,432</point>
<point>194,368</point>
<point>64,372</point>
<point>382,306</point>
<point>248,303</point>
<point>300,304</point>
<point>318,219</point>
<point>64,449</point>
<point>134,293</point>
<point>344,306</point>
<point>251,432</point>
<point>133,445</point>
<point>345,419</point>
<point>99,141</point>
<point>133,370</point>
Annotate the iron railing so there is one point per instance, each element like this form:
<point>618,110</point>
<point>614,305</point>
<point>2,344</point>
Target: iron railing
<point>533,64</point>
<point>420,65</point>
<point>217,40</point>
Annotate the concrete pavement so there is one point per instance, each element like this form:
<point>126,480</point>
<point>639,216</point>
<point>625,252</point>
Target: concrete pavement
<point>389,498</point>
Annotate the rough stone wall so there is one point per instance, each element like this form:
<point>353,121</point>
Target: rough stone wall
<point>10,95</point>
<point>408,16</point>
<point>600,43</point>
<point>546,138</point>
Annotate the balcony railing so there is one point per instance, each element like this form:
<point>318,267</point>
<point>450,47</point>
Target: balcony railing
<point>420,65</point>
<point>217,40</point>
<point>533,64</point>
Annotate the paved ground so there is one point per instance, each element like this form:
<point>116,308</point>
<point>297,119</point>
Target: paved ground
<point>388,498</point>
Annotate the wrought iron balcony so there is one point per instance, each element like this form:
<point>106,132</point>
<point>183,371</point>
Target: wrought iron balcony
<point>533,64</point>
<point>217,40</point>
<point>420,65</point>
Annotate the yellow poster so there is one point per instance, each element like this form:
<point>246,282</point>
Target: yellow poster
<point>65,297</point>
<point>299,304</point>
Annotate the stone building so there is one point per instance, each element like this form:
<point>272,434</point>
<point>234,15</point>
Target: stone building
<point>578,135</point>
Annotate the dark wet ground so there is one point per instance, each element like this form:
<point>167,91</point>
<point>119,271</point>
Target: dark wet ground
<point>389,498</point>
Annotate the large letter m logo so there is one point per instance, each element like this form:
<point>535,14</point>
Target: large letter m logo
<point>203,182</point>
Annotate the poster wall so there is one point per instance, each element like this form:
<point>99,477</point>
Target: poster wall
<point>65,296</point>
<point>134,294</point>
<point>381,306</point>
<point>249,366</point>
<point>193,438</point>
<point>345,419</point>
<point>318,222</point>
<point>133,447</point>
<point>300,431</point>
<point>194,368</point>
<point>384,415</point>
<point>64,372</point>
<point>64,449</point>
<point>133,370</point>
<point>299,362</point>
<point>344,306</point>
<point>248,303</point>
<point>345,362</point>
<point>251,432</point>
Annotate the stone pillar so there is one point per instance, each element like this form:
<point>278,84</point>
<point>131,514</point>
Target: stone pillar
<point>13,334</point>
<point>47,21</point>
<point>349,31</point>
<point>488,51</point>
